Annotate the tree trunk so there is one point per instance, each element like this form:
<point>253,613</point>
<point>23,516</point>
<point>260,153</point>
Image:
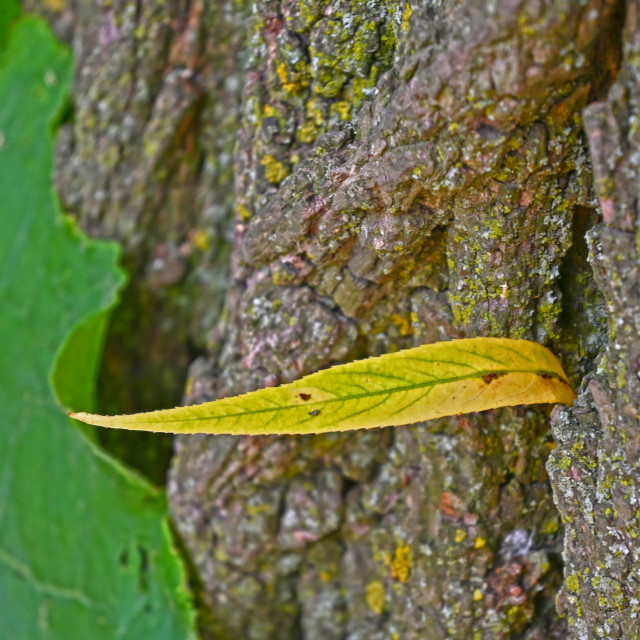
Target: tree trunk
<point>404,173</point>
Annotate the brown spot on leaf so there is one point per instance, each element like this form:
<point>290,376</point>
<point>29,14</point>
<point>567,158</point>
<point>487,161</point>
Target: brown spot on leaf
<point>490,377</point>
<point>305,396</point>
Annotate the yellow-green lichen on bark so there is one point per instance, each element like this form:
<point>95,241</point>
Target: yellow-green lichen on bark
<point>328,57</point>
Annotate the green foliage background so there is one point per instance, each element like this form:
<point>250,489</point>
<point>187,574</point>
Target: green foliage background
<point>85,545</point>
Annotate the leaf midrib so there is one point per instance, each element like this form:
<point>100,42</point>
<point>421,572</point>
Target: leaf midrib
<point>475,375</point>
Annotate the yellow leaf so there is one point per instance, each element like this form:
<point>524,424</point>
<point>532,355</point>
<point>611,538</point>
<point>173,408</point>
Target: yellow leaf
<point>409,386</point>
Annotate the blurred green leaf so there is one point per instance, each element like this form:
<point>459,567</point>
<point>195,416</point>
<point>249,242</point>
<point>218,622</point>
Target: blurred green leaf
<point>85,548</point>
<point>9,10</point>
<point>76,367</point>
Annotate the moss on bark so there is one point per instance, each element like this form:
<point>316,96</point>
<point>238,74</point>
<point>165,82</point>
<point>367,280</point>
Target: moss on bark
<point>444,208</point>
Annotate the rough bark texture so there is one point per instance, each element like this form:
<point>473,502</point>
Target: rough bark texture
<point>405,173</point>
<point>595,469</point>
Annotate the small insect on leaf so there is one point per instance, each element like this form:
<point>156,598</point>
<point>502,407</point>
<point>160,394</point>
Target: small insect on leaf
<point>409,386</point>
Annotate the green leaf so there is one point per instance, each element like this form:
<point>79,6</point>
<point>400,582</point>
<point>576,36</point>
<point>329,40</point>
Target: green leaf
<point>9,10</point>
<point>76,367</point>
<point>409,386</point>
<point>85,547</point>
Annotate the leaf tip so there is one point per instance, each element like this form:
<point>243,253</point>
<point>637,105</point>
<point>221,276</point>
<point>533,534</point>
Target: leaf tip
<point>80,415</point>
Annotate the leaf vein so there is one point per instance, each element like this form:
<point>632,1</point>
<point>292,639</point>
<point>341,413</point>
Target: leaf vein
<point>162,417</point>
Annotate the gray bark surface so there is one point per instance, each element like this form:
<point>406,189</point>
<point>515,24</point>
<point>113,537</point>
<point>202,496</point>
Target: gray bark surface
<point>595,469</point>
<point>404,173</point>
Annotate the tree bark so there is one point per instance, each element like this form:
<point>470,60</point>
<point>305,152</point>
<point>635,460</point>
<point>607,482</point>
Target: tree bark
<point>595,469</point>
<point>404,173</point>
